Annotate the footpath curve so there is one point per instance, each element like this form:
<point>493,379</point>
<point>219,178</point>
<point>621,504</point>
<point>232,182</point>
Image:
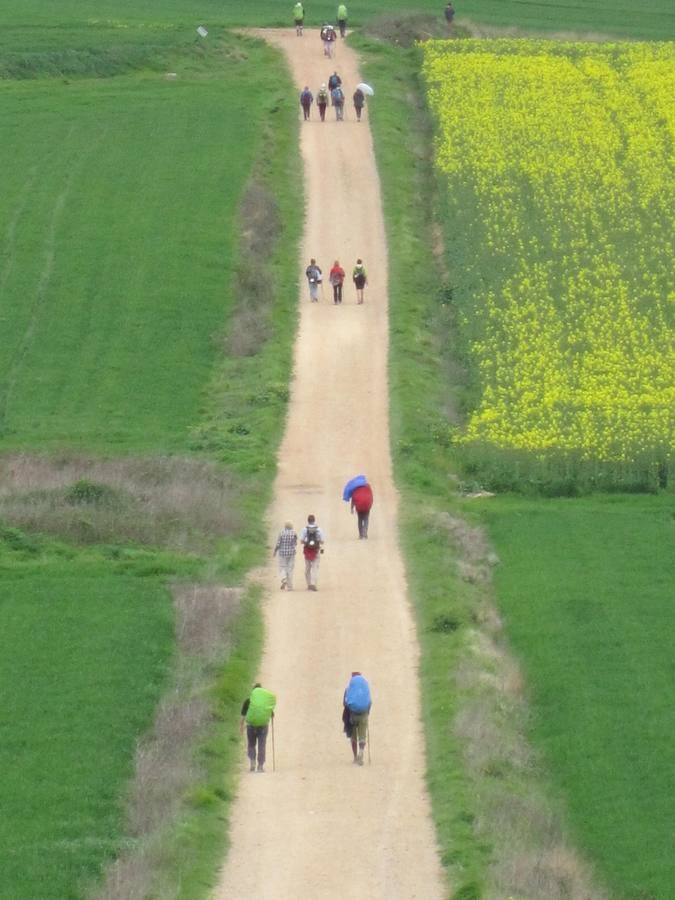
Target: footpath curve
<point>320,828</point>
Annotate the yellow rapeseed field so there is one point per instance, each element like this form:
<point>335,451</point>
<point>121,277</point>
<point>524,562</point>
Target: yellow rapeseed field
<point>559,167</point>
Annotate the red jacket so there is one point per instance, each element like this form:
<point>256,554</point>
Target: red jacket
<point>362,498</point>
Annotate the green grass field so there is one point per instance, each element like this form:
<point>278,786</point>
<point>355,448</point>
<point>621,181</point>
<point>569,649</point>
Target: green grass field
<point>586,590</point>
<point>119,248</point>
<point>84,655</point>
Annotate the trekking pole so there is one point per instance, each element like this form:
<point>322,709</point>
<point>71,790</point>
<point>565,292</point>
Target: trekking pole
<point>368,742</point>
<point>274,762</point>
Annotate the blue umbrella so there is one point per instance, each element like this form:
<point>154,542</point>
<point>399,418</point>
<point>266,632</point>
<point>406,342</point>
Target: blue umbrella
<point>352,484</point>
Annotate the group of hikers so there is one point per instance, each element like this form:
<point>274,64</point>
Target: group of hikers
<point>257,714</point>
<point>257,711</point>
<point>333,91</point>
<point>336,278</point>
<point>328,32</point>
<point>312,537</point>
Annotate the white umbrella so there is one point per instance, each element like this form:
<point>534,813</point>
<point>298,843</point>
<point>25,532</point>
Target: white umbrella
<point>366,88</point>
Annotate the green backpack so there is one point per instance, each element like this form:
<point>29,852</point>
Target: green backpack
<point>261,706</point>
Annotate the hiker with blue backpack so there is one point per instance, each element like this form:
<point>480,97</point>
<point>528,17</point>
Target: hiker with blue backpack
<point>356,704</point>
<point>257,712</point>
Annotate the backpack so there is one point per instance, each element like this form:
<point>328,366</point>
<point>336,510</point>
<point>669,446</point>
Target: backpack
<point>337,94</point>
<point>312,539</point>
<point>322,96</point>
<point>306,97</point>
<point>357,696</point>
<point>261,706</point>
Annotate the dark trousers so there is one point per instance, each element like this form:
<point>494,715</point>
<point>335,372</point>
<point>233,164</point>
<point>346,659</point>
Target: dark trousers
<point>337,293</point>
<point>305,110</point>
<point>257,739</point>
<point>322,111</point>
<point>363,523</point>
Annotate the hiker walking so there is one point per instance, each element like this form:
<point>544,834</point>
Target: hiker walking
<point>362,502</point>
<point>449,14</point>
<point>359,99</point>
<point>356,704</point>
<point>299,17</point>
<point>338,100</point>
<point>342,19</point>
<point>312,540</point>
<point>334,81</point>
<point>336,276</point>
<point>256,713</point>
<point>360,279</point>
<point>328,37</point>
<point>314,279</point>
<point>306,100</point>
<point>284,550</point>
<point>322,102</point>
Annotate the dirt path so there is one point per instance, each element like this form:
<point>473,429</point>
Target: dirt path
<point>321,827</point>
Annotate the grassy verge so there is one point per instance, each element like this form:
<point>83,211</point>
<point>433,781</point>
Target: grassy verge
<point>503,817</point>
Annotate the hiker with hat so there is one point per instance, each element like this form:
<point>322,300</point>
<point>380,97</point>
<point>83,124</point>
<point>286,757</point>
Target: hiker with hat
<point>312,540</point>
<point>356,704</point>
<point>284,550</point>
<point>322,101</point>
<point>257,712</point>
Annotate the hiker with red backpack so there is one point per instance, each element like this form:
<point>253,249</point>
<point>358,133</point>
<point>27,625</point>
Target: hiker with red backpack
<point>362,502</point>
<point>359,494</point>
<point>336,276</point>
<point>312,540</point>
<point>356,704</point>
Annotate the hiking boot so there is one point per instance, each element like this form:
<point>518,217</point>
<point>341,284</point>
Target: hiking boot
<point>359,758</point>
<point>312,587</point>
<point>283,586</point>
<point>252,769</point>
<point>261,768</point>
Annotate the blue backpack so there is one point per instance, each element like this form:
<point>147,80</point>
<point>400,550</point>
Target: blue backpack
<point>357,697</point>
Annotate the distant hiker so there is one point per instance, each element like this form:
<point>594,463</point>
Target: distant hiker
<point>322,101</point>
<point>360,279</point>
<point>336,276</point>
<point>334,81</point>
<point>328,36</point>
<point>256,713</point>
<point>284,550</point>
<point>299,18</point>
<point>306,100</point>
<point>314,279</point>
<point>312,540</point>
<point>356,704</point>
<point>338,100</point>
<point>342,19</point>
<point>449,13</point>
<point>362,502</point>
<point>359,102</point>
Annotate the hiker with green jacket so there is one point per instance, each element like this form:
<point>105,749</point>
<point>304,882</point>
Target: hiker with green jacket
<point>342,19</point>
<point>256,713</point>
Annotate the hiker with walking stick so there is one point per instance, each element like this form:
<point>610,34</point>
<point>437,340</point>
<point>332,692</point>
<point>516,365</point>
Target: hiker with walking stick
<point>256,713</point>
<point>356,704</point>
